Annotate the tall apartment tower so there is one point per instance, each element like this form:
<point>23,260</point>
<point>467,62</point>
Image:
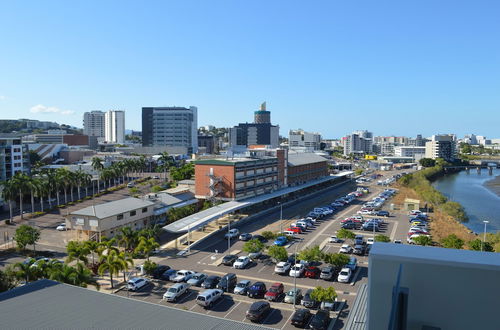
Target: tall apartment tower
<point>93,123</point>
<point>262,116</point>
<point>442,146</point>
<point>260,132</point>
<point>114,126</point>
<point>170,127</point>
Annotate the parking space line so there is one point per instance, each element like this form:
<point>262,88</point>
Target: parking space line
<point>287,320</point>
<point>393,233</point>
<point>232,309</point>
<point>193,307</point>
<point>261,269</point>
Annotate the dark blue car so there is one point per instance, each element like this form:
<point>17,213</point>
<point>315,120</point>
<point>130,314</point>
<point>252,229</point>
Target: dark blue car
<point>281,241</point>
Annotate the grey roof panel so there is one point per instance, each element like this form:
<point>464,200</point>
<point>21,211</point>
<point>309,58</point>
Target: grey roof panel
<point>113,208</point>
<point>357,319</point>
<point>304,158</point>
<point>51,305</point>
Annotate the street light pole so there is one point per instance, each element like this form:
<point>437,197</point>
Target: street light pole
<point>281,216</point>
<point>295,277</point>
<point>228,235</point>
<point>484,234</point>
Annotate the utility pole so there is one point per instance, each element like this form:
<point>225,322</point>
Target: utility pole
<point>228,235</point>
<point>281,216</point>
<point>484,234</point>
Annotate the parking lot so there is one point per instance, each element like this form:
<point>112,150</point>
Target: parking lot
<point>207,259</point>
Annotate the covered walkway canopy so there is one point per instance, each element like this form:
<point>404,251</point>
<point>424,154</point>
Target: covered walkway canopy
<point>201,218</point>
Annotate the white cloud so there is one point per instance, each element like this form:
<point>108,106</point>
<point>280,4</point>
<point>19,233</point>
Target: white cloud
<point>3,97</point>
<point>40,108</point>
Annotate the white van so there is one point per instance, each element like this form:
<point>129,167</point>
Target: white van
<point>136,283</point>
<point>208,297</point>
<point>289,233</point>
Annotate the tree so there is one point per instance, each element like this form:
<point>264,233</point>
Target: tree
<point>253,246</point>
<point>83,277</point>
<point>8,193</point>
<point>310,254</point>
<point>336,259</point>
<point>382,238</point>
<point>146,245</point>
<point>77,251</point>
<point>269,235</point>
<point>452,242</point>
<point>345,234</point>
<point>423,240</point>
<point>128,238</point>
<point>26,235</point>
<point>427,162</point>
<point>479,245</point>
<point>20,183</point>
<point>111,263</point>
<point>24,272</point>
<point>278,253</point>
<point>324,294</point>
<point>97,166</point>
<point>6,281</point>
<point>93,247</point>
<point>358,171</point>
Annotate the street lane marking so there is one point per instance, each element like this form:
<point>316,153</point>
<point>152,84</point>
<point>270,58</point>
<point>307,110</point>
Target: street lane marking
<point>225,316</point>
<point>393,233</point>
<point>286,322</point>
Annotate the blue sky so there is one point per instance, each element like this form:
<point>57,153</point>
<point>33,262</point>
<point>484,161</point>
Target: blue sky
<point>392,67</point>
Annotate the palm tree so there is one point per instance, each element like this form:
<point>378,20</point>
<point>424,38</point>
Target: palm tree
<point>20,182</point>
<point>24,271</point>
<point>93,247</point>
<point>8,194</point>
<point>77,251</point>
<point>82,276</point>
<point>33,184</point>
<point>128,238</point>
<point>41,189</point>
<point>166,162</point>
<point>128,260</point>
<point>112,263</point>
<point>106,246</point>
<point>146,245</point>
<point>52,183</point>
<point>82,178</point>
<point>153,231</point>
<point>98,166</point>
<point>64,178</point>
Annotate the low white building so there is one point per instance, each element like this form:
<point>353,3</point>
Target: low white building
<point>409,151</point>
<point>302,139</point>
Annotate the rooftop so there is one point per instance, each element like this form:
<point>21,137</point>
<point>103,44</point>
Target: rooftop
<point>72,307</point>
<point>230,161</point>
<point>109,209</point>
<point>297,159</point>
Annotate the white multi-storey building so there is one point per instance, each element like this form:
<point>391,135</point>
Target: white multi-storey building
<point>358,142</point>
<point>409,151</point>
<point>114,126</point>
<point>301,139</point>
<point>442,146</point>
<point>94,123</point>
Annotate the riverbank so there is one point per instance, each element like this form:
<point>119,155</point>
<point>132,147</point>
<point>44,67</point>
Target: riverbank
<point>442,225</point>
<point>494,185</point>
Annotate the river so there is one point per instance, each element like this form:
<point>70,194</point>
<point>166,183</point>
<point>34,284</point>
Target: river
<point>479,194</point>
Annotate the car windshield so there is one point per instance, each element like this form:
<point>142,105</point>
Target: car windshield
<point>273,290</point>
<point>344,273</point>
<point>201,298</point>
<point>290,293</point>
<point>173,290</point>
<point>241,259</point>
<point>197,277</point>
<point>241,285</point>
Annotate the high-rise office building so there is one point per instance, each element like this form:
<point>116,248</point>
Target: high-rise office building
<point>442,146</point>
<point>170,127</point>
<point>298,139</point>
<point>94,123</point>
<point>358,142</point>
<point>260,132</point>
<point>114,126</point>
<point>13,157</point>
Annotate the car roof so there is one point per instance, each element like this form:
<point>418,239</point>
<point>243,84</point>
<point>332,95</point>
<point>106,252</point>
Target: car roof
<point>213,277</point>
<point>257,304</point>
<point>258,283</point>
<point>244,281</point>
<point>277,284</point>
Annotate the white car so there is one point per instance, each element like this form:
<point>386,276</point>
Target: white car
<point>136,283</point>
<point>411,239</point>
<point>334,239</point>
<point>241,262</point>
<point>232,234</point>
<point>208,297</point>
<point>255,255</point>
<point>344,275</point>
<point>176,291</point>
<point>365,212</point>
<point>282,267</point>
<point>370,240</point>
<point>61,227</point>
<point>183,275</point>
<point>297,270</point>
<point>345,248</point>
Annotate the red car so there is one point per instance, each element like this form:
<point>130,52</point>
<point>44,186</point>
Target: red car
<point>274,292</point>
<point>346,220</point>
<point>297,230</point>
<point>312,272</point>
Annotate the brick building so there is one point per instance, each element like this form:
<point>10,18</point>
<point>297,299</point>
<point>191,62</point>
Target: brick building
<point>304,167</point>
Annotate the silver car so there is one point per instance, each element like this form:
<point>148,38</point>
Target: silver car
<point>294,294</point>
<point>242,287</point>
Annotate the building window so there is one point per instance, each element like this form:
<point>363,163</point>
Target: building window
<point>144,209</point>
<point>132,213</point>
<point>119,217</point>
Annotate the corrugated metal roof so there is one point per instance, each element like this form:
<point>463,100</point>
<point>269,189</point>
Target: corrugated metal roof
<point>357,319</point>
<point>304,158</point>
<point>47,304</point>
<point>113,208</point>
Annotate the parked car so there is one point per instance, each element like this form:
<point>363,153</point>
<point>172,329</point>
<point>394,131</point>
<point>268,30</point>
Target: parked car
<point>307,301</point>
<point>183,276</point>
<point>197,279</point>
<point>398,241</point>
<point>344,275</point>
<point>169,275</point>
<point>232,234</point>
<point>358,239</point>
<point>320,320</point>
<point>274,292</point>
<point>281,241</point>
<point>359,249</point>
<point>257,290</point>
<point>260,238</point>
<point>382,214</point>
<point>296,230</point>
<point>370,240</point>
<point>293,294</point>
<point>312,272</point>
<point>211,282</point>
<point>370,226</point>
<point>327,273</point>
<point>176,291</point>
<point>61,227</point>
<point>282,267</point>
<point>241,287</point>
<point>334,239</point>
<point>208,297</point>
<point>349,225</point>
<point>136,283</point>
<point>352,264</point>
<point>345,248</point>
<point>297,270</point>
<point>301,317</point>
<point>229,259</point>
<point>241,262</point>
<point>227,282</point>
<point>130,184</point>
<point>159,270</point>
<point>245,237</point>
<point>255,255</point>
<point>258,310</point>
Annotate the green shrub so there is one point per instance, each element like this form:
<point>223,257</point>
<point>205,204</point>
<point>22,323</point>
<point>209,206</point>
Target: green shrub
<point>269,235</point>
<point>149,267</point>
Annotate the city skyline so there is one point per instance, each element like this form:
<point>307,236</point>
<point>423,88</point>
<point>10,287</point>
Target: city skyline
<point>399,69</point>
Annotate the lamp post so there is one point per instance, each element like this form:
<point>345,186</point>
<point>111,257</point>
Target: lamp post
<point>295,277</point>
<point>228,235</point>
<point>281,216</point>
<point>484,234</point>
